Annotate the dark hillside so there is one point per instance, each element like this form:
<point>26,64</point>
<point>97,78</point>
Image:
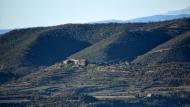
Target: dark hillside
<point>50,49</point>
<point>123,47</point>
<point>126,45</point>
<point>175,50</point>
<point>24,50</point>
<point>14,44</point>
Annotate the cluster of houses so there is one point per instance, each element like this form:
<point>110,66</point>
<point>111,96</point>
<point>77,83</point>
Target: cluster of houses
<point>75,62</point>
<point>80,62</point>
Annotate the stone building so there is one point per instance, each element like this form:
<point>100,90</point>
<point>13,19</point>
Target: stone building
<point>81,62</point>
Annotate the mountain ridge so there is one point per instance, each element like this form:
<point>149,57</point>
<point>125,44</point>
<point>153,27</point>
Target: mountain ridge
<point>25,50</point>
<point>170,15</point>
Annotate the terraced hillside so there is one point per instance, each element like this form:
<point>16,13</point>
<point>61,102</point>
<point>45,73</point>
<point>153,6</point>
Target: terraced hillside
<point>114,84</point>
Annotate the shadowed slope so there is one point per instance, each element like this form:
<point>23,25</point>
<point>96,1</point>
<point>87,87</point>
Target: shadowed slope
<point>49,49</point>
<point>123,46</point>
<point>175,50</point>
<point>24,50</point>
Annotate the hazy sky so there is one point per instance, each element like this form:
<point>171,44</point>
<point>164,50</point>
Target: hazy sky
<point>28,13</point>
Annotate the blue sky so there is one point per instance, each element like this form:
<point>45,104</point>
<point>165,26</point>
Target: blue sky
<point>30,13</point>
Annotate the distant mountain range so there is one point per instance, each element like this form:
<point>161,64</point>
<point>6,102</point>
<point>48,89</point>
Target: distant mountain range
<point>2,31</point>
<point>181,11</point>
<point>108,21</point>
<point>177,14</point>
<point>157,18</point>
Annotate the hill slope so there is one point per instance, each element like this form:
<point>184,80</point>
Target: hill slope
<point>24,50</point>
<point>164,83</point>
<point>123,47</point>
<point>175,50</point>
<point>127,45</point>
<point>46,46</point>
